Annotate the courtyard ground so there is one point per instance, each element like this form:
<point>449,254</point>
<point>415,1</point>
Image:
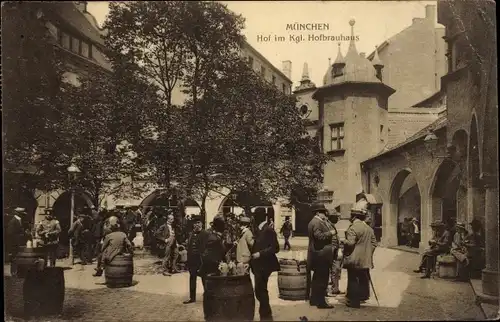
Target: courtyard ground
<point>402,296</point>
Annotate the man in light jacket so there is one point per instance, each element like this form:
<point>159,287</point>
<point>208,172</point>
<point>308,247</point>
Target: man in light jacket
<point>245,243</point>
<point>359,246</point>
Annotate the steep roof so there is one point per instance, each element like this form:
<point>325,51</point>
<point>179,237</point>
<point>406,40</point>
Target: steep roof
<point>68,14</point>
<point>436,125</point>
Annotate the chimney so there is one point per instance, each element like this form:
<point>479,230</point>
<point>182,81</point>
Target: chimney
<point>81,5</point>
<point>430,12</point>
<point>287,68</point>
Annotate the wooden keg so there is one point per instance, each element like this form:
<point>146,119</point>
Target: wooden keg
<point>44,291</point>
<point>228,298</point>
<point>292,280</point>
<point>26,259</point>
<point>447,266</point>
<point>120,271</point>
<point>14,296</point>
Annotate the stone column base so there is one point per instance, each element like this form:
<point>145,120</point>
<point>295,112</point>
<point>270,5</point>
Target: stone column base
<point>490,283</point>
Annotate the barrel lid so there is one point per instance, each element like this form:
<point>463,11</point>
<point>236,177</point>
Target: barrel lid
<point>291,261</point>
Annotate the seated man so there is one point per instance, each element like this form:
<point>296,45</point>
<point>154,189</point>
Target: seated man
<point>440,244</point>
<point>459,251</point>
<point>475,249</point>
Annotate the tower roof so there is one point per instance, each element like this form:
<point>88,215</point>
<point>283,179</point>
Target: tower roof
<point>376,62</point>
<point>340,59</point>
<point>357,68</point>
<point>327,79</point>
<point>305,81</point>
<point>305,73</point>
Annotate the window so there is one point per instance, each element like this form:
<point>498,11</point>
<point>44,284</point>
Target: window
<point>337,131</point>
<point>263,71</point>
<point>75,45</point>
<point>283,86</point>
<point>65,40</point>
<point>274,80</point>
<point>381,132</point>
<point>250,61</point>
<point>84,49</point>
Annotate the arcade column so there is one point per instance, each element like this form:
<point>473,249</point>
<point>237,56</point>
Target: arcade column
<point>490,273</point>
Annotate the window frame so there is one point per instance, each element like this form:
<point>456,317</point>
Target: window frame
<point>337,128</point>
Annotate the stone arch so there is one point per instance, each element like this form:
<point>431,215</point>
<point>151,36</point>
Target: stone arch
<point>460,141</point>
<point>405,202</point>
<point>62,211</point>
<point>443,191</point>
<point>158,199</point>
<point>475,188</point>
<point>242,200</point>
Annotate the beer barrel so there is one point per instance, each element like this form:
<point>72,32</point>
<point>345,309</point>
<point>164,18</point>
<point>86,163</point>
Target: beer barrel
<point>26,259</point>
<point>14,299</point>
<point>44,291</point>
<point>292,280</point>
<point>228,298</point>
<point>120,271</point>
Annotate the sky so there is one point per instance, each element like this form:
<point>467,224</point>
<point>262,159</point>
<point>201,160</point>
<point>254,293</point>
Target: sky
<point>375,22</point>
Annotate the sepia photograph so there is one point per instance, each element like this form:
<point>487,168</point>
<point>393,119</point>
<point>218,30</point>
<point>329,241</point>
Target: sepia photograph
<point>250,160</point>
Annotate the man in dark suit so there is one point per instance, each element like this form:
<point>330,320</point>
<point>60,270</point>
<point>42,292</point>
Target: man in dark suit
<point>320,255</point>
<point>194,258</point>
<point>264,261</point>
<point>166,236</point>
<point>16,236</point>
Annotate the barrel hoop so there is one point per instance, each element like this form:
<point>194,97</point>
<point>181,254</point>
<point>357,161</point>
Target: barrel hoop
<point>292,288</point>
<point>292,274</point>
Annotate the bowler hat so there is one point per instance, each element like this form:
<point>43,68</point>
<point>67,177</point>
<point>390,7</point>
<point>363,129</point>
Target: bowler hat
<point>20,210</point>
<point>437,224</point>
<point>245,220</point>
<point>318,207</point>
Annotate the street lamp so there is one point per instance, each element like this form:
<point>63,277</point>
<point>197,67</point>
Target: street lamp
<point>72,172</point>
<point>431,142</point>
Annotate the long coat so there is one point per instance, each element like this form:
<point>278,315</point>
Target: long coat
<point>320,250</point>
<point>193,250</point>
<point>114,244</point>
<point>266,243</point>
<point>212,251</point>
<point>360,243</point>
<point>16,235</point>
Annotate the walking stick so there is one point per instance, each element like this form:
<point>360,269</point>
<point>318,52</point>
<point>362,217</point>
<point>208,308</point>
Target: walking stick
<point>373,288</point>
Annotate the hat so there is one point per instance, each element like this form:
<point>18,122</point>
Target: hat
<point>20,210</point>
<point>414,219</point>
<point>360,208</point>
<point>287,217</point>
<point>460,225</point>
<point>245,220</point>
<point>437,224</point>
<point>318,207</point>
<point>196,218</point>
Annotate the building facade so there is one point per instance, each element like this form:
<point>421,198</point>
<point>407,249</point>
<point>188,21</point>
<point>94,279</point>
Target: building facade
<point>453,161</point>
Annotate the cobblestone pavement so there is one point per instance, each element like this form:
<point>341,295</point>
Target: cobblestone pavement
<point>402,296</point>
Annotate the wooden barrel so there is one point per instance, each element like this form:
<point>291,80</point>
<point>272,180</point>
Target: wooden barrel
<point>44,291</point>
<point>14,298</point>
<point>26,259</point>
<point>228,298</point>
<point>292,280</point>
<point>447,266</point>
<point>120,271</point>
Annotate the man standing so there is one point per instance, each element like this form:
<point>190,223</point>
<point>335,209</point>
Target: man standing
<point>320,255</point>
<point>16,236</point>
<point>336,268</point>
<point>79,234</point>
<point>359,245</point>
<point>287,231</point>
<point>49,231</point>
<point>264,262</point>
<point>245,242</point>
<point>166,236</point>
<point>194,258</point>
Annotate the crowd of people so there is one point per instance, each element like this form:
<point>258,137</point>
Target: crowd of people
<point>453,238</point>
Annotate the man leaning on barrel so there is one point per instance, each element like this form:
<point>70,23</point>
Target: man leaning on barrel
<point>320,255</point>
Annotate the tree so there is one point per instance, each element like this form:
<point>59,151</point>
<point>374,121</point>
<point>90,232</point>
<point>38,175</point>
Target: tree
<point>31,84</point>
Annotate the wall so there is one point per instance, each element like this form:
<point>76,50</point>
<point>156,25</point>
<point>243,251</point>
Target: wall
<point>414,61</point>
<point>409,204</point>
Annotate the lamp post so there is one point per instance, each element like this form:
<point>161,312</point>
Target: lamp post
<point>431,142</point>
<point>72,172</point>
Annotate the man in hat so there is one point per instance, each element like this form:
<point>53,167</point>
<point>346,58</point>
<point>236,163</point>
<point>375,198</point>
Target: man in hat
<point>194,257</point>
<point>287,231</point>
<point>415,233</point>
<point>359,245</point>
<point>264,261</point>
<point>336,268</point>
<point>320,254</point>
<point>459,251</point>
<point>16,236</point>
<point>166,236</point>
<point>440,244</point>
<point>245,243</point>
<point>81,238</point>
<point>49,231</point>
